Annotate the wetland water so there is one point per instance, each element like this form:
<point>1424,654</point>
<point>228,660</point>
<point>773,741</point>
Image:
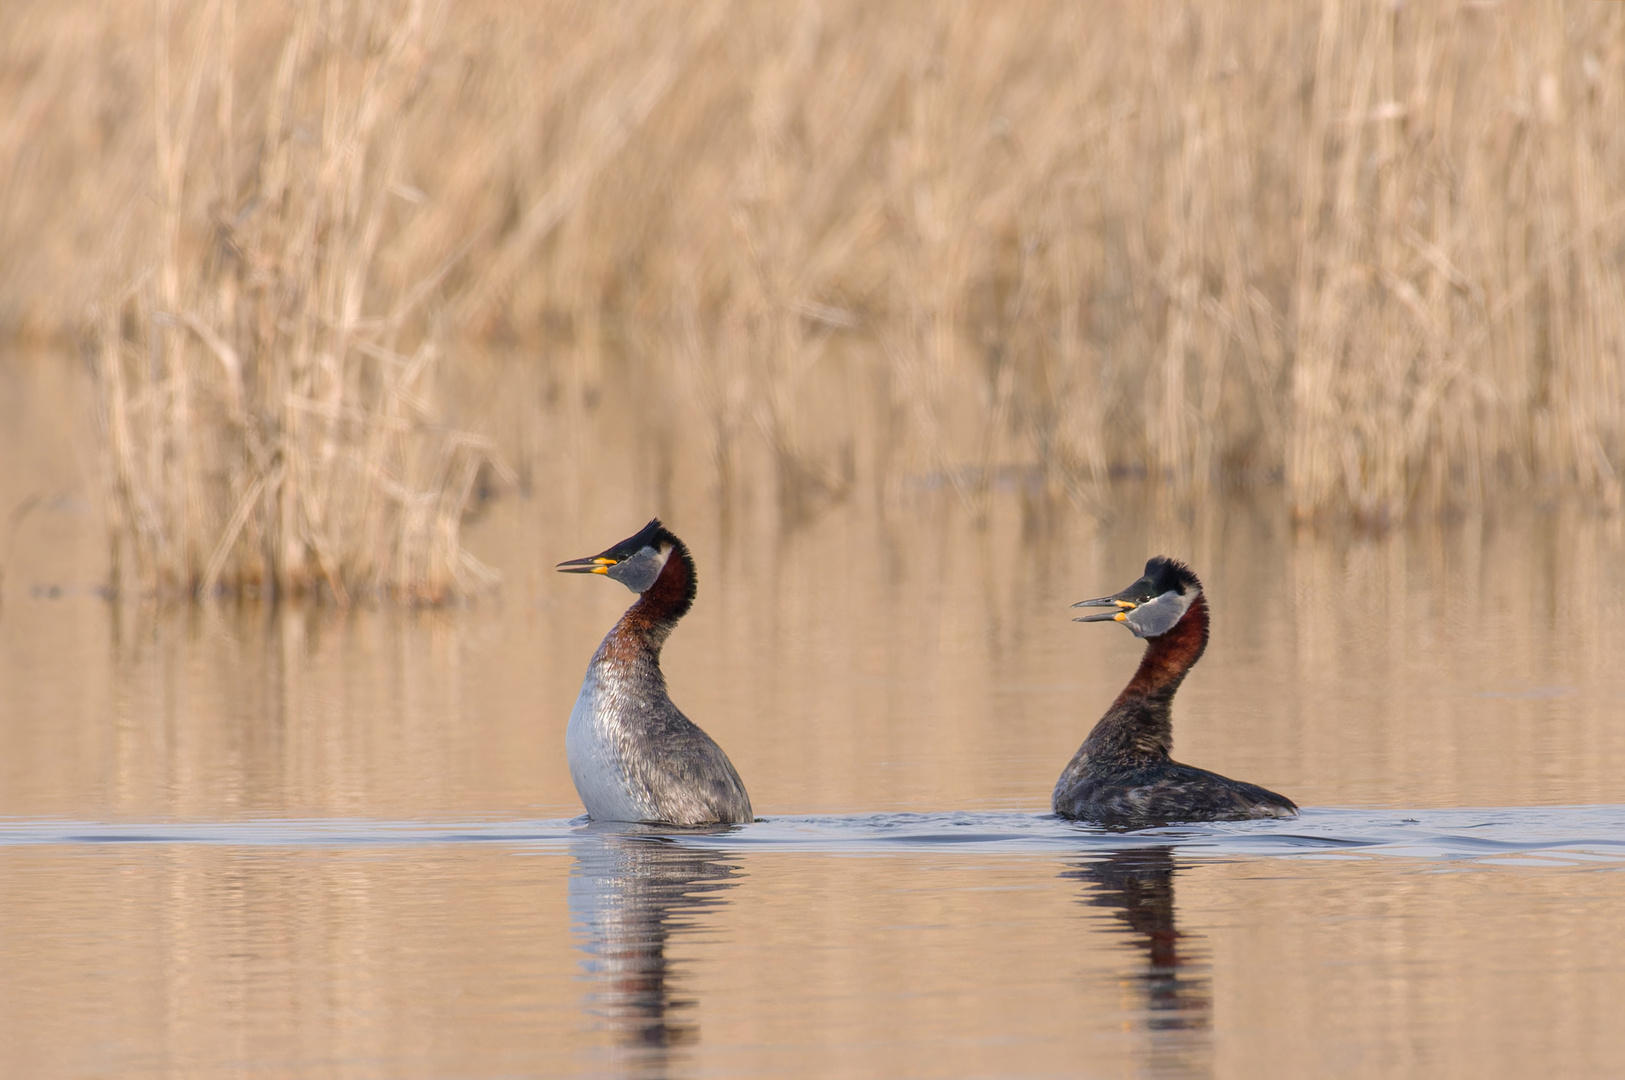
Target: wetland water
<point>301,842</point>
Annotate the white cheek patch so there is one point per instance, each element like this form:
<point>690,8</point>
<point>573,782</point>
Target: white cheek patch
<point>1160,615</point>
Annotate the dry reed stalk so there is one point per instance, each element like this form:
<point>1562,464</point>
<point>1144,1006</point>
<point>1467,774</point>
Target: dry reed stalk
<point>1372,253</point>
<point>265,432</point>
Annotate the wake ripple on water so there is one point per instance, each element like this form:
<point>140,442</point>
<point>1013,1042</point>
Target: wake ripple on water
<point>1540,835</point>
<point>1578,833</point>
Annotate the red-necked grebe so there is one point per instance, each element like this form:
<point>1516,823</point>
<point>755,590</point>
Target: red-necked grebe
<point>1122,774</point>
<point>633,755</point>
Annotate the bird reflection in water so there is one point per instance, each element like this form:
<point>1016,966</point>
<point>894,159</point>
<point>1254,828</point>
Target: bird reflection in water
<point>630,895</point>
<point>1137,885</point>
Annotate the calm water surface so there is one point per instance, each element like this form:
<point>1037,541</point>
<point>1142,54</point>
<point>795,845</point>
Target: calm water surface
<point>300,842</point>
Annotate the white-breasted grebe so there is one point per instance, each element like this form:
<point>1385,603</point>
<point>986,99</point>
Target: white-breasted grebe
<point>1122,774</point>
<point>633,755</point>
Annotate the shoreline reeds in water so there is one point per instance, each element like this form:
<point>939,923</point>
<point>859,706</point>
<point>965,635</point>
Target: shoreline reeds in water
<point>1368,254</point>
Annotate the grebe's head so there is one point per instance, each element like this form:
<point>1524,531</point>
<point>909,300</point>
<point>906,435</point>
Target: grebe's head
<point>1154,604</point>
<point>635,562</point>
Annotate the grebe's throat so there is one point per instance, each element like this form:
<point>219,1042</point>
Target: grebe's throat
<point>1139,724</point>
<point>667,600</point>
<point>1170,655</point>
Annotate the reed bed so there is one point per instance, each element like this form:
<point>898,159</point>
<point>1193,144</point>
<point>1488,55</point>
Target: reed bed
<point>1369,252</point>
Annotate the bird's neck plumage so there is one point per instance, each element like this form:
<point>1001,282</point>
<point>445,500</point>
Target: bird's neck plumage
<point>651,618</point>
<point>1139,724</point>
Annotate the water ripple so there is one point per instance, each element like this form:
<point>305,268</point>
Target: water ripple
<point>1592,834</point>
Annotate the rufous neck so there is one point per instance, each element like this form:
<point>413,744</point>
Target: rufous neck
<point>1169,656</point>
<point>656,611</point>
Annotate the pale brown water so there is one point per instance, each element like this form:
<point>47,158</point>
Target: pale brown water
<point>301,842</point>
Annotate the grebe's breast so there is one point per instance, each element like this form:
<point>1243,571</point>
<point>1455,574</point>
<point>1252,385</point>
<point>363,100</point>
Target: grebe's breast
<point>597,743</point>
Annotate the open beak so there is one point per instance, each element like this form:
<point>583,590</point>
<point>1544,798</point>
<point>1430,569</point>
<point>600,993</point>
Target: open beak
<point>1123,608</point>
<point>593,564</point>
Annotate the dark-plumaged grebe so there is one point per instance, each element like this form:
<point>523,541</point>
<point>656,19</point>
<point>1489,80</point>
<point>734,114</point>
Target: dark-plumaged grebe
<point>633,755</point>
<point>1122,774</point>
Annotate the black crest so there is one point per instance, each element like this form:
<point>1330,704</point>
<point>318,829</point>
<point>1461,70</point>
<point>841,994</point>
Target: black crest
<point>653,535</point>
<point>1163,574</point>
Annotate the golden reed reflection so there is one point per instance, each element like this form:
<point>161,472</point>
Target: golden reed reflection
<point>631,896</point>
<point>1175,985</point>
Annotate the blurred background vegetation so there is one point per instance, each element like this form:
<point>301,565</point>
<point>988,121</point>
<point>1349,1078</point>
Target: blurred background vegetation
<point>1366,255</point>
